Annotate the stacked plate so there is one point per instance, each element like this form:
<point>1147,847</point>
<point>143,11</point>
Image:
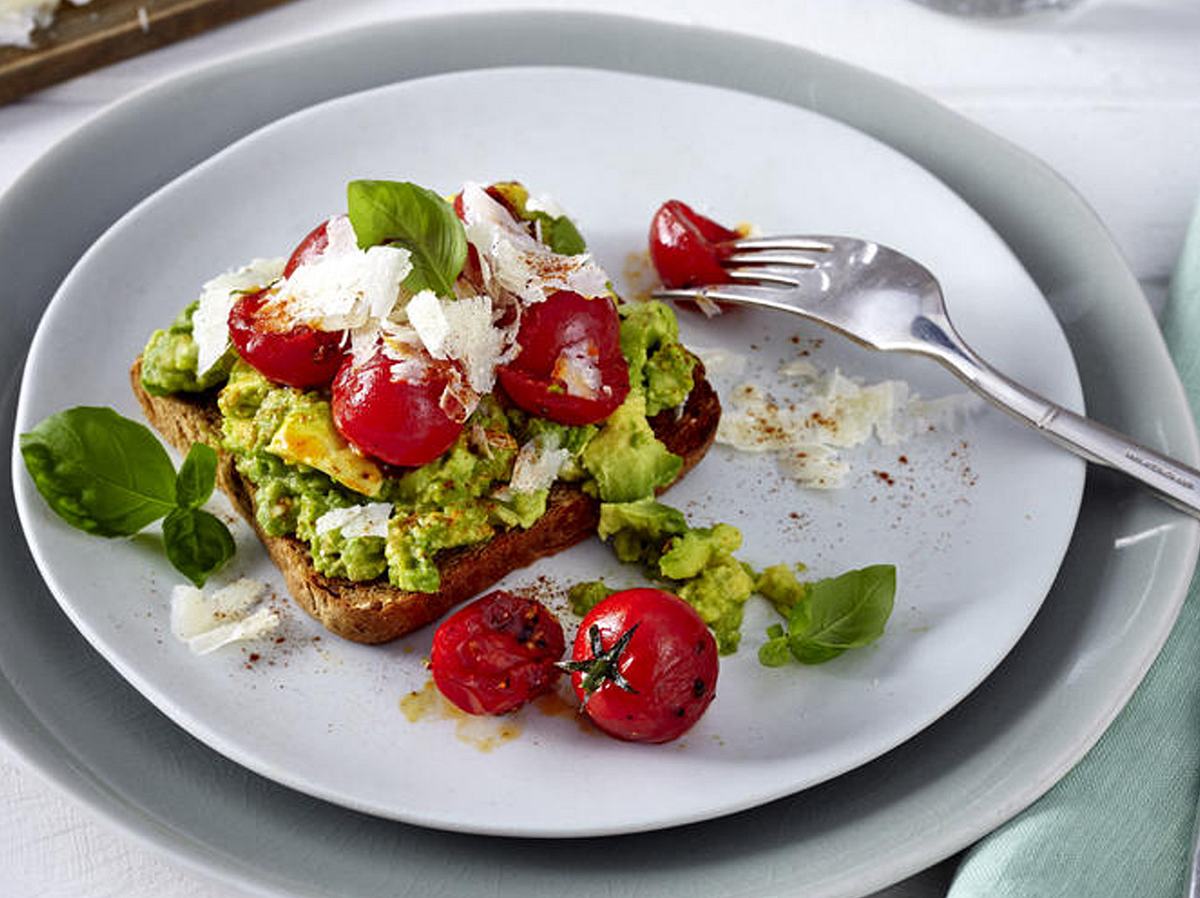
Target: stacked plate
<point>982,524</point>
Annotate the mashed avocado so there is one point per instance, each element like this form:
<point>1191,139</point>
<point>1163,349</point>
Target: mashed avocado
<point>697,564</point>
<point>660,369</point>
<point>284,442</point>
<point>169,360</point>
<point>626,459</point>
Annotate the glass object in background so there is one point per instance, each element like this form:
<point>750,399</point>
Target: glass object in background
<point>996,7</point>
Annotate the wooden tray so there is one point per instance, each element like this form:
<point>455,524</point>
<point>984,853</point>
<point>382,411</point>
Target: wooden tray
<point>83,38</point>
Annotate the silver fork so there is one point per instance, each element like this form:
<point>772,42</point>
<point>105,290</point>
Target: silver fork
<point>884,300</point>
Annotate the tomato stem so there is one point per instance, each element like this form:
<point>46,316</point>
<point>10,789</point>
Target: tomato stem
<point>604,665</point>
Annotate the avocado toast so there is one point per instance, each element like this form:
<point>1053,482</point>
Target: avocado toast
<point>526,459</point>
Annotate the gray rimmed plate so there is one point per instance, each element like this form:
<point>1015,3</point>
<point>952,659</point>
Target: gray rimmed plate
<point>1125,573</point>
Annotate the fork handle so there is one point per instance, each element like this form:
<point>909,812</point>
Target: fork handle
<point>1172,481</point>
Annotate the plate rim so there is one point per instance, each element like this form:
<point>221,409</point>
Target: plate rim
<point>115,808</point>
<point>150,683</point>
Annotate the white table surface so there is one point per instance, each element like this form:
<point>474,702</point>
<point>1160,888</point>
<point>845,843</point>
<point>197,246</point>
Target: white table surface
<point>1108,95</point>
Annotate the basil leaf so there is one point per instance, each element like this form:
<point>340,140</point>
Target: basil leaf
<point>197,543</point>
<point>100,472</point>
<point>561,235</point>
<point>197,476</point>
<point>844,612</point>
<point>417,219</point>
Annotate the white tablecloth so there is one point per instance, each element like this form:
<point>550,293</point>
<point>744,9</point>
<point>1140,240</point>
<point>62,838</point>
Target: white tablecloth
<point>1109,95</point>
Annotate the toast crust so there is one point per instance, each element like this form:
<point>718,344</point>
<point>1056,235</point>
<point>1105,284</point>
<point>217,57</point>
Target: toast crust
<point>375,611</point>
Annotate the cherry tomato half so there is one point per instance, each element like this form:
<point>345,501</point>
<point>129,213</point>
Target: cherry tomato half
<point>309,249</point>
<point>687,248</point>
<point>292,354</point>
<point>570,368</point>
<point>644,665</point>
<point>497,653</point>
<point>399,421</point>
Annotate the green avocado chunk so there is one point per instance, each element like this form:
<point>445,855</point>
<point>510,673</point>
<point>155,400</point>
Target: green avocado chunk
<point>639,530</point>
<point>698,549</point>
<point>696,564</point>
<point>779,585</point>
<point>521,509</point>
<point>414,540</point>
<point>626,459</point>
<point>719,593</point>
<point>169,360</point>
<point>357,558</point>
<point>583,597</point>
<point>659,366</point>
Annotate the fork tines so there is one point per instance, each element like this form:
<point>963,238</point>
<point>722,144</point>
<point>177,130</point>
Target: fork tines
<point>773,260</point>
<point>793,243</point>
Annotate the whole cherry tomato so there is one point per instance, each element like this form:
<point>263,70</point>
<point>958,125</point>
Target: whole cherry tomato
<point>400,420</point>
<point>309,249</point>
<point>497,653</point>
<point>687,248</point>
<point>293,354</point>
<point>644,665</point>
<point>570,368</point>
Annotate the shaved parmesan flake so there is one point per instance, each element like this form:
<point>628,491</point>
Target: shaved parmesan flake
<point>340,237</point>
<point>19,18</point>
<point>237,596</point>
<point>537,465</point>
<point>719,361</point>
<point>577,368</point>
<point>341,290</point>
<point>191,614</point>
<point>836,412</point>
<point>474,340</point>
<point>397,341</point>
<point>408,368</point>
<point>515,262</point>
<point>357,520</point>
<point>426,316</point>
<point>253,626</point>
<point>544,202</point>
<point>206,622</point>
<point>458,400</point>
<point>460,329</point>
<point>210,322</point>
<point>800,368</point>
<point>814,465</point>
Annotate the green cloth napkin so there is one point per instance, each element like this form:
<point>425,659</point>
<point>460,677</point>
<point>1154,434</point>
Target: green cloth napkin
<point>1120,824</point>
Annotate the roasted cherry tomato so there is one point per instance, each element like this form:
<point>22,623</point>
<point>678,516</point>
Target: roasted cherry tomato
<point>310,248</point>
<point>292,354</point>
<point>644,665</point>
<point>570,368</point>
<point>687,248</point>
<point>497,653</point>
<point>385,410</point>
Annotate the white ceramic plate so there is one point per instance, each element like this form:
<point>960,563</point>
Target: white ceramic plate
<point>324,717</point>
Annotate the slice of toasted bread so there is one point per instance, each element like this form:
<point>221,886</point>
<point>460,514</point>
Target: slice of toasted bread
<point>375,611</point>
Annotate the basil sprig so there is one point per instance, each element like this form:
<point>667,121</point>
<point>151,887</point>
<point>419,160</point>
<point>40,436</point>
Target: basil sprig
<point>110,476</point>
<point>407,215</point>
<point>844,612</point>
